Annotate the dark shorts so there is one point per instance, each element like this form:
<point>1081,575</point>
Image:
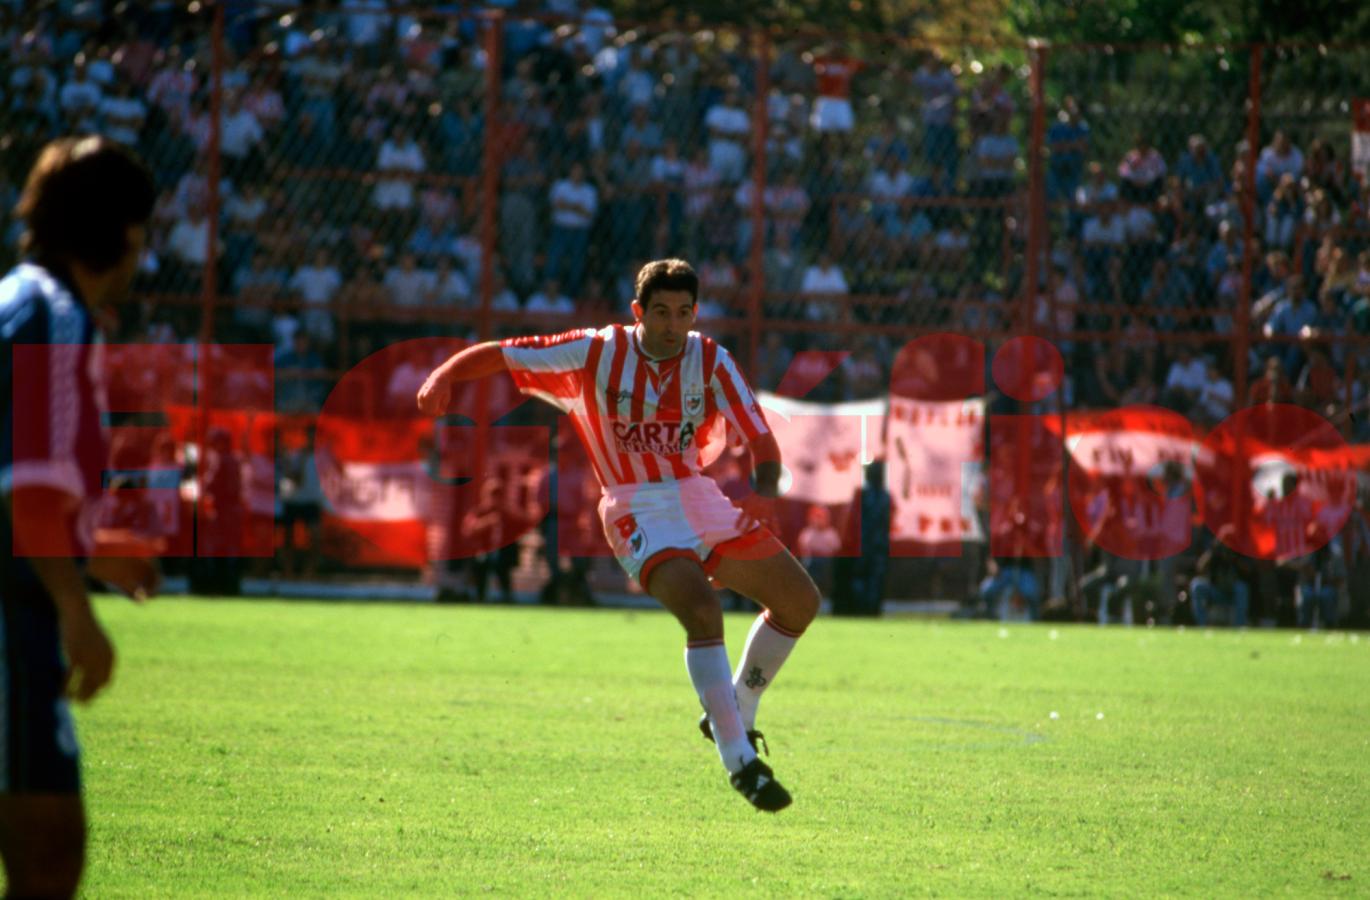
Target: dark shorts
<point>38,749</point>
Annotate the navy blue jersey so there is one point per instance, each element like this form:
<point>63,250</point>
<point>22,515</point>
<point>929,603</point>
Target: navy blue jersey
<point>52,394</point>
<point>51,435</point>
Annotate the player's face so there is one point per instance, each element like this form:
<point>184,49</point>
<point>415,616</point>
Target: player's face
<point>666,320</point>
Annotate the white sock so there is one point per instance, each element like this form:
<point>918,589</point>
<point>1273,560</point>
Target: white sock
<point>768,646</point>
<point>708,665</point>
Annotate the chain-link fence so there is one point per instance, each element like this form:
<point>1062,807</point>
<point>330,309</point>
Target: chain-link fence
<point>335,181</point>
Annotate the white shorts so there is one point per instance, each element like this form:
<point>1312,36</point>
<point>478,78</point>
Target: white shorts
<point>647,524</point>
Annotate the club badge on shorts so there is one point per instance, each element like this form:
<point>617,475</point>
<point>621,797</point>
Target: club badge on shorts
<point>636,538</point>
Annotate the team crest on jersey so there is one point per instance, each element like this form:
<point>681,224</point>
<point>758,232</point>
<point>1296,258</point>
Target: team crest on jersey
<point>694,402</point>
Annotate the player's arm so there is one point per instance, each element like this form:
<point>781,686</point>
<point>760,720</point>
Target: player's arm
<point>40,521</point>
<point>765,464</point>
<point>474,362</point>
<point>738,404</point>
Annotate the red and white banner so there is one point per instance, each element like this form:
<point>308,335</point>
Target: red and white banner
<point>934,467</point>
<point>823,445</point>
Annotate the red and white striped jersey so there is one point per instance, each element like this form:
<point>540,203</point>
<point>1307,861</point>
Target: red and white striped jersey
<point>641,420</point>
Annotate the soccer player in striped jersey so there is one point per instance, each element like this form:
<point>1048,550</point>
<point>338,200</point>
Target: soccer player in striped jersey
<point>645,400</point>
<point>85,208</point>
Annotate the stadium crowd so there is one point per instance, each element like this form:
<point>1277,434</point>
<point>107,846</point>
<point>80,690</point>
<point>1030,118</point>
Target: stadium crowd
<point>352,146</point>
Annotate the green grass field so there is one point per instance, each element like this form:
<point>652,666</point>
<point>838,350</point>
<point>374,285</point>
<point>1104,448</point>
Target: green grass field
<point>317,749</point>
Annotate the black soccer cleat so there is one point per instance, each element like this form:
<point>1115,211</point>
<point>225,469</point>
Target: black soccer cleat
<point>757,783</point>
<point>753,737</point>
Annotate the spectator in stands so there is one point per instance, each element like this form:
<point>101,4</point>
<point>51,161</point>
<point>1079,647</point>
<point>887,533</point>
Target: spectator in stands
<point>1068,141</point>
<point>719,281</point>
<point>642,129</point>
<point>300,387</point>
<point>450,287</point>
<point>1278,159</point>
<point>1003,583</point>
<point>668,177</point>
<point>1096,190</point>
<point>1227,246</point>
<point>408,283</point>
<point>825,289</point>
<point>134,55</point>
<point>863,377</point>
<point>729,126</point>
<point>317,285</point>
<point>950,244</point>
<point>300,496</point>
<point>1317,384</point>
<point>817,544</point>
<point>1215,397</point>
<point>1167,288</point>
<point>1104,236</point>
<point>550,299</point>
<point>832,109</point>
<point>1282,214</point>
<point>1110,378</point>
<point>887,143</point>
<point>80,97</point>
<point>502,296</point>
<point>462,130</point>
<point>364,295</point>
<point>1322,171</point>
<point>1142,390</point>
<point>187,247</point>
<point>1271,386</point>
<point>990,99</point>
<point>629,204</point>
<point>774,360</point>
<point>935,84</point>
<point>786,204</point>
<point>123,114</point>
<point>1289,315</point>
<point>1200,172</point>
<point>993,158</point>
<point>240,140</point>
<point>319,71</point>
<point>399,162</point>
<point>258,287</point>
<point>1142,171</point>
<point>1186,379</point>
<point>1356,543</point>
<point>574,202</point>
<point>522,187</point>
<point>783,269</point>
<point>1321,576</point>
<point>887,185</point>
<point>1221,579</point>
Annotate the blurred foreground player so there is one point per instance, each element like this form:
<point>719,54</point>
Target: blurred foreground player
<point>85,207</point>
<point>642,399</point>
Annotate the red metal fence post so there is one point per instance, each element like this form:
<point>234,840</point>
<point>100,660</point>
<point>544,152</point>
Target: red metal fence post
<point>757,268</point>
<point>209,285</point>
<point>1242,319</point>
<point>491,153</point>
<point>1037,218</point>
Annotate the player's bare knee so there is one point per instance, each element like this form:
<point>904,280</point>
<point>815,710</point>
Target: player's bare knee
<point>807,602</point>
<point>701,617</point>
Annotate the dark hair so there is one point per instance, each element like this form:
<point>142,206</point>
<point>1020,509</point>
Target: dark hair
<point>666,275</point>
<point>80,198</point>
